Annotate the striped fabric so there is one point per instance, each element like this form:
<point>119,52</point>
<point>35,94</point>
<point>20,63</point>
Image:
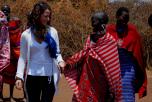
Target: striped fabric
<point>128,75</point>
<point>105,52</point>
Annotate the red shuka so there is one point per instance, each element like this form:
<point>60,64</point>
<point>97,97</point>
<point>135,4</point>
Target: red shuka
<point>94,71</point>
<point>132,42</point>
<point>14,35</point>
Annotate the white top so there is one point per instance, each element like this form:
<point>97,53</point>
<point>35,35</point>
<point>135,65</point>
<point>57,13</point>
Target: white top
<point>40,61</point>
<point>35,56</point>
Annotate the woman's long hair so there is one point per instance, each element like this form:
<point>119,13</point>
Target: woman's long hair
<point>34,19</point>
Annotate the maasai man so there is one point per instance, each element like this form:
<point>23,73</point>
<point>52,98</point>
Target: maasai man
<point>130,55</point>
<point>4,48</point>
<point>94,72</point>
<point>14,24</point>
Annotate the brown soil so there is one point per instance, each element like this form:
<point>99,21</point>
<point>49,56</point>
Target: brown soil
<point>65,93</point>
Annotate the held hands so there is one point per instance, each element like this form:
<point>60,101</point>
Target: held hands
<point>19,83</point>
<point>61,65</point>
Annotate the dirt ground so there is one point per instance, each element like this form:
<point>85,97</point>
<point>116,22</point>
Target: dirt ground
<point>65,93</point>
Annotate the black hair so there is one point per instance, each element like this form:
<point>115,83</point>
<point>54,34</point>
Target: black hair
<point>102,17</point>
<point>6,9</point>
<point>150,20</point>
<point>121,10</point>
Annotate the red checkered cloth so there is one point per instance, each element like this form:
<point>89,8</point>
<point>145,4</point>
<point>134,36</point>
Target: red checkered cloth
<point>94,72</point>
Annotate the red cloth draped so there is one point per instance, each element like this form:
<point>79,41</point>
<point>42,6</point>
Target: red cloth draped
<point>94,71</point>
<point>4,49</point>
<point>14,34</point>
<point>4,46</point>
<point>132,42</point>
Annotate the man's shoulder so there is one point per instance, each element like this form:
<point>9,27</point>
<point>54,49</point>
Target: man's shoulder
<point>109,37</point>
<point>132,26</point>
<point>14,23</point>
<point>111,26</point>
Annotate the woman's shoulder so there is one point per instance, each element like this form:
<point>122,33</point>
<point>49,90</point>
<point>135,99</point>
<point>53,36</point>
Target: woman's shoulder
<point>52,29</point>
<point>26,33</point>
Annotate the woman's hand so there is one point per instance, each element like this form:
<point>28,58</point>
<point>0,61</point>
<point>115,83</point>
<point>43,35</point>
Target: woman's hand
<point>19,84</point>
<point>62,65</point>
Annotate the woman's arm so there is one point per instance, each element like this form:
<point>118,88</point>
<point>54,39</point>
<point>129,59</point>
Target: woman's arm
<point>23,56</point>
<point>54,34</point>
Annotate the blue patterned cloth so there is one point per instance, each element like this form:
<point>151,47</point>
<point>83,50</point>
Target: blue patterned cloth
<point>128,75</point>
<point>51,44</point>
<point>49,40</point>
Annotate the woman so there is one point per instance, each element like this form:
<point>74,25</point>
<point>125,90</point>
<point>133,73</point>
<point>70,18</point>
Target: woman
<point>94,72</point>
<point>4,48</point>
<point>130,55</point>
<point>39,52</point>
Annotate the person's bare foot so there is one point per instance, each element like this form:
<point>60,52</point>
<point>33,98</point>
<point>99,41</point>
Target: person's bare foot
<point>1,100</point>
